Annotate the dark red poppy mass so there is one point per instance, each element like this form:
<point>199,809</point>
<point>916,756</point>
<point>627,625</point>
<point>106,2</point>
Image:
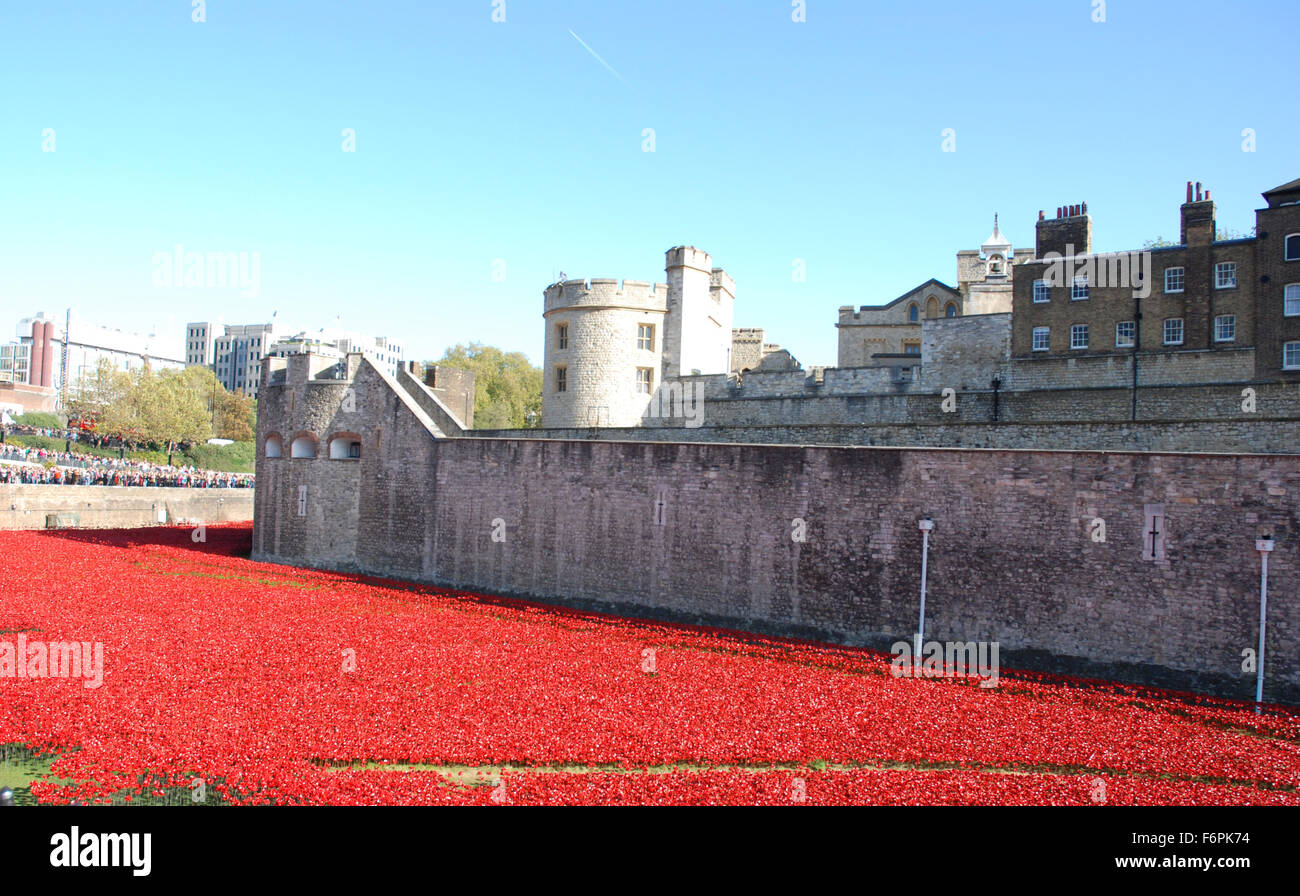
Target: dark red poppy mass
<point>288,686</point>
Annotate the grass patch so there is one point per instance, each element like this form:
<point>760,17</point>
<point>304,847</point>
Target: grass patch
<point>237,458</point>
<point>464,775</point>
<point>41,420</point>
<point>19,767</point>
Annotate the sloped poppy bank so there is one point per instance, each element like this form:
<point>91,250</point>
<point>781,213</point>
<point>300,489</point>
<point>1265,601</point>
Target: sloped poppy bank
<point>281,685</point>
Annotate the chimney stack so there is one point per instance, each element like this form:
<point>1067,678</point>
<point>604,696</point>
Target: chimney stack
<point>1197,218</point>
<point>1069,234</point>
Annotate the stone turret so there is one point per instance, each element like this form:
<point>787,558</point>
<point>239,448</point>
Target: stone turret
<point>610,344</point>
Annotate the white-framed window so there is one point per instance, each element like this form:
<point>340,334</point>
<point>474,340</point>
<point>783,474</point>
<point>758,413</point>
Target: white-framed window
<point>1042,292</point>
<point>644,380</point>
<point>1225,275</point>
<point>1042,339</point>
<point>561,379</point>
<point>561,336</point>
<point>1125,334</point>
<point>1174,331</point>
<point>1175,279</point>
<point>645,337</point>
<point>1225,328</point>
<point>1291,356</point>
<point>1079,289</point>
<point>1291,250</point>
<point>1079,336</point>
<point>1291,300</point>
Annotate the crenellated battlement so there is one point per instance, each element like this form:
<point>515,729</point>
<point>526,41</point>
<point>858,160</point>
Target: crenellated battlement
<point>721,282</point>
<point>604,291</point>
<point>689,257</point>
<point>850,314</point>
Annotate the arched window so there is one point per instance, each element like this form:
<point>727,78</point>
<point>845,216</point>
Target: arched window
<point>931,307</point>
<point>951,310</point>
<point>274,445</point>
<point>304,445</point>
<point>913,313</point>
<point>345,446</point>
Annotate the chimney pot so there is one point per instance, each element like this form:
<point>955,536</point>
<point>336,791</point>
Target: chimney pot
<point>1189,191</point>
<point>1207,195</point>
<point>1198,191</point>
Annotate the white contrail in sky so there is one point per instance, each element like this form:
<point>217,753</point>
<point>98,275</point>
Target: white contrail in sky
<point>597,56</point>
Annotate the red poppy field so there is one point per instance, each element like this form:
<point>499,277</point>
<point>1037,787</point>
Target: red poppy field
<point>286,686</point>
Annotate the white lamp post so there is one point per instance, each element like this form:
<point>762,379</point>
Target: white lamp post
<point>1265,547</point>
<point>926,526</point>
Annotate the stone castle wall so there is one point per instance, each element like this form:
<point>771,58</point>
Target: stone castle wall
<point>119,507</point>
<point>703,532</point>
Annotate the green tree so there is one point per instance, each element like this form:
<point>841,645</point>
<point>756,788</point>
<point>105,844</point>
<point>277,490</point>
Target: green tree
<point>167,408</point>
<point>1229,234</point>
<point>507,389</point>
<point>176,407</point>
<point>236,417</point>
<point>93,392</point>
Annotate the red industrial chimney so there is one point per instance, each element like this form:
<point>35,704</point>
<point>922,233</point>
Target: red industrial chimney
<point>47,362</point>
<point>37,357</point>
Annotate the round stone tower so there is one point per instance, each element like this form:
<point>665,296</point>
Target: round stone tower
<point>610,345</point>
<point>604,351</point>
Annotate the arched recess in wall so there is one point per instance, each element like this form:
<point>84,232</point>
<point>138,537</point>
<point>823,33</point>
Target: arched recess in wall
<point>345,446</point>
<point>931,307</point>
<point>951,310</point>
<point>274,445</point>
<point>304,445</point>
<point>913,313</point>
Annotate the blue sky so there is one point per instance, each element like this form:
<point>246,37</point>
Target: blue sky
<point>482,143</point>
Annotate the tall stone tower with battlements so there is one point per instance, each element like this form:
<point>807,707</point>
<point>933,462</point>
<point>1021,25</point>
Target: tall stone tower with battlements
<point>610,346</point>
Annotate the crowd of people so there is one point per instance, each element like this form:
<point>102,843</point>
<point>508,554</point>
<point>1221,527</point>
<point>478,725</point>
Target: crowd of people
<point>21,464</point>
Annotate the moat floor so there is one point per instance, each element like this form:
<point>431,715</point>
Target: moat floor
<point>201,676</point>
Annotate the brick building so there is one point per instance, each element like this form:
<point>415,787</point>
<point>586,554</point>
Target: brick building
<point>1217,310</point>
